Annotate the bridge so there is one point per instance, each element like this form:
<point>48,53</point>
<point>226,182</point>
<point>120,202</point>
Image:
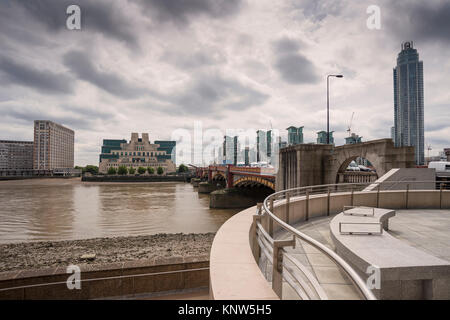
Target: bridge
<point>315,164</point>
<point>230,176</point>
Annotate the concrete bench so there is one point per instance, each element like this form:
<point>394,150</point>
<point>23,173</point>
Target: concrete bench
<point>405,272</point>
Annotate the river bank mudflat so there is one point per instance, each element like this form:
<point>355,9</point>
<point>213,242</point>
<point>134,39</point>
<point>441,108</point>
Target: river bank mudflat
<point>37,255</point>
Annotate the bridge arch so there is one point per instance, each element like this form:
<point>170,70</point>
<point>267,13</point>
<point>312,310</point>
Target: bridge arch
<point>251,181</point>
<point>347,155</point>
<point>219,176</point>
<point>344,176</point>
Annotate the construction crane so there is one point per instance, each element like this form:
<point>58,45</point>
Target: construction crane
<point>429,148</point>
<point>349,130</point>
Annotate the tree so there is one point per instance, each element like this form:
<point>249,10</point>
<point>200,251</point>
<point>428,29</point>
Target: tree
<point>122,170</point>
<point>182,168</point>
<point>112,170</point>
<point>159,170</point>
<point>131,170</point>
<point>91,169</point>
<point>150,170</point>
<point>141,170</point>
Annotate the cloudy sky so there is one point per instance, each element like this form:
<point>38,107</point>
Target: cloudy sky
<point>158,65</point>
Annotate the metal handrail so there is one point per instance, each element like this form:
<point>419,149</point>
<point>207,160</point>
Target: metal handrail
<point>321,189</point>
<point>313,281</point>
<point>351,187</point>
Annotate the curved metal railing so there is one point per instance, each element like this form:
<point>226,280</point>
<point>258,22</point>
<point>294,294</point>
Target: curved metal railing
<point>266,242</point>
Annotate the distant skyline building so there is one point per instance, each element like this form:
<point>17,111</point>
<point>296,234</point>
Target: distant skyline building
<point>228,150</point>
<point>264,148</point>
<point>353,139</point>
<point>261,146</point>
<point>53,146</point>
<point>269,144</point>
<point>295,135</point>
<point>409,101</point>
<point>322,137</point>
<point>247,156</point>
<point>235,149</point>
<point>139,152</point>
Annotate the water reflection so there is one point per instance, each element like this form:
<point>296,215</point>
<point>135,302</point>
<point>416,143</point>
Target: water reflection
<point>70,209</point>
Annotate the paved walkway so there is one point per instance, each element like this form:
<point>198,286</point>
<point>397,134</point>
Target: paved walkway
<point>428,230</point>
<point>335,283</point>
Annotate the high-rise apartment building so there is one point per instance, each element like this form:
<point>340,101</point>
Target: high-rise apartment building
<point>295,135</point>
<point>322,137</point>
<point>228,150</point>
<point>16,157</point>
<point>409,101</point>
<point>353,139</point>
<point>53,146</point>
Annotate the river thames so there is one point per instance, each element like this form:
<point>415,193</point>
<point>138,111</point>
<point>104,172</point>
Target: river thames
<point>68,209</point>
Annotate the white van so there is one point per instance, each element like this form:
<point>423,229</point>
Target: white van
<point>440,166</point>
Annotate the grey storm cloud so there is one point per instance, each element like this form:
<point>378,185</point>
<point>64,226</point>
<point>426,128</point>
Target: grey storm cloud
<point>293,66</point>
<point>98,16</point>
<point>286,45</point>
<point>180,11</point>
<point>196,60</point>
<point>81,65</point>
<point>13,72</point>
<point>419,20</point>
<point>76,118</point>
<point>210,94</point>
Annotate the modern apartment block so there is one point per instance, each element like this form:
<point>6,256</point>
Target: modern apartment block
<point>295,135</point>
<point>16,157</point>
<point>322,137</point>
<point>264,146</point>
<point>53,147</point>
<point>409,101</point>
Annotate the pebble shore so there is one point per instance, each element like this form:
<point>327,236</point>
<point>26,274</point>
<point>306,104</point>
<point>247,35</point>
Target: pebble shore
<point>36,255</point>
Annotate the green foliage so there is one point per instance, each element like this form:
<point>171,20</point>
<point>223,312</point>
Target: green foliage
<point>182,168</point>
<point>151,170</point>
<point>122,170</point>
<point>131,170</point>
<point>89,168</point>
<point>141,170</point>
<point>159,170</point>
<point>112,170</point>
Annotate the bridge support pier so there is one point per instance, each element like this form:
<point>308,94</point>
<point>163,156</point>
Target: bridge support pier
<point>208,187</point>
<point>232,199</point>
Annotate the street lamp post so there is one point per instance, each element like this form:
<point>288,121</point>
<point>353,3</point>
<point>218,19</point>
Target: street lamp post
<point>328,103</point>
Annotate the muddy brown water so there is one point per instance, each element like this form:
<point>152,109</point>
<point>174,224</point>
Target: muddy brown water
<point>68,209</point>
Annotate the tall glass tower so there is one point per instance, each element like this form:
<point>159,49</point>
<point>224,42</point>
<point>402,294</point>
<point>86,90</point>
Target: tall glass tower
<point>409,101</point>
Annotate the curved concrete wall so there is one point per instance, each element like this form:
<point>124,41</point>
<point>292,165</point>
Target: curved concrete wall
<point>234,274</point>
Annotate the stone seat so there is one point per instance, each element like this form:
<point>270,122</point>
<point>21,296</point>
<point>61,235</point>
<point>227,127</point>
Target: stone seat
<point>405,272</point>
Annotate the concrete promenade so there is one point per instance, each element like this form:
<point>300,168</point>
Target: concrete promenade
<point>424,229</point>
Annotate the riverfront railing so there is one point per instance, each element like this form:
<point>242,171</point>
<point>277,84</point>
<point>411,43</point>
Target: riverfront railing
<point>281,266</point>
